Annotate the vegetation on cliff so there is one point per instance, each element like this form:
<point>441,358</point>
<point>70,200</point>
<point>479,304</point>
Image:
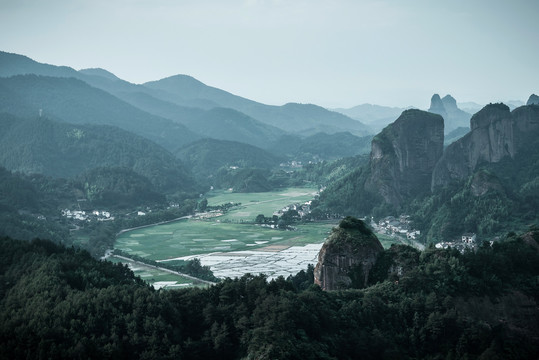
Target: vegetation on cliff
<point>353,234</point>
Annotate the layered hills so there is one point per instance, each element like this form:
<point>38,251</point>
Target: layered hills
<point>305,119</point>
<point>376,117</point>
<point>178,97</point>
<point>74,101</point>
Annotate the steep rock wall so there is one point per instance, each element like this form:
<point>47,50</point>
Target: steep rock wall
<point>495,133</point>
<point>347,256</point>
<point>404,154</point>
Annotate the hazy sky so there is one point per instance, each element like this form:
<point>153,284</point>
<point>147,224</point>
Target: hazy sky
<point>335,53</point>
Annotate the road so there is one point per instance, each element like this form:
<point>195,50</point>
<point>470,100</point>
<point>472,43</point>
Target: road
<point>165,270</point>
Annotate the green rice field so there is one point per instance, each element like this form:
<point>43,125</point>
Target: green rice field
<point>232,232</point>
<point>191,237</point>
<point>228,232</point>
<point>253,204</point>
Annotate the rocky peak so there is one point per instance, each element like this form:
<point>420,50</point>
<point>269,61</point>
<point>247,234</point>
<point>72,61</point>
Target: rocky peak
<point>533,100</point>
<point>404,154</point>
<point>450,104</point>
<point>448,109</point>
<point>437,105</point>
<point>347,256</point>
<point>488,115</point>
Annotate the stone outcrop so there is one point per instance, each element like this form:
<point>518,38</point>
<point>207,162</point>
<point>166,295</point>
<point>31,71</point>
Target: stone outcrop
<point>495,133</point>
<point>482,182</point>
<point>347,256</point>
<point>448,109</point>
<point>404,154</point>
<point>533,100</point>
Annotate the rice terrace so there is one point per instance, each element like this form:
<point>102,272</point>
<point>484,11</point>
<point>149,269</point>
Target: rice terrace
<point>230,243</point>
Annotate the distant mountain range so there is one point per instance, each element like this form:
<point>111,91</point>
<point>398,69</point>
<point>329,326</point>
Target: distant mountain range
<point>175,113</point>
<point>180,97</point>
<point>172,112</point>
<point>375,116</point>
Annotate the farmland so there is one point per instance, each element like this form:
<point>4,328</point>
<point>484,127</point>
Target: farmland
<point>232,244</point>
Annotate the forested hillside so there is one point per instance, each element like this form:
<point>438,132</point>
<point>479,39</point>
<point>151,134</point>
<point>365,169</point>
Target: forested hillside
<point>205,157</point>
<point>61,303</point>
<point>43,146</point>
<point>321,146</point>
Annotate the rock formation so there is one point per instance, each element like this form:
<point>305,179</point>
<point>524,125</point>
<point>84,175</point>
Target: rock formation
<point>347,256</point>
<point>533,100</point>
<point>448,109</point>
<point>404,154</point>
<point>495,133</point>
<point>437,106</point>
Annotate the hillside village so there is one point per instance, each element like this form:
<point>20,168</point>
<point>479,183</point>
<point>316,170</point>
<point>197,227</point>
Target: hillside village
<point>82,215</point>
<point>467,241</point>
<point>399,226</point>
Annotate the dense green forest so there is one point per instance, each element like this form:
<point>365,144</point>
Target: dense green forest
<point>58,302</point>
<point>44,146</point>
<point>207,156</point>
<point>321,146</point>
<point>31,205</point>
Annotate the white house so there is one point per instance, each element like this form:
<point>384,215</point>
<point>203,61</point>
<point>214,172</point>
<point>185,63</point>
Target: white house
<point>468,238</point>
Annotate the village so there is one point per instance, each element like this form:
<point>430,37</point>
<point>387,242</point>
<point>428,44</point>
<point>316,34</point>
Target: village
<point>391,225</point>
<point>396,226</point>
<point>467,241</point>
<point>82,215</point>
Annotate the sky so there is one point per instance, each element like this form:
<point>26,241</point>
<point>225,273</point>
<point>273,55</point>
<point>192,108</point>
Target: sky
<point>334,53</point>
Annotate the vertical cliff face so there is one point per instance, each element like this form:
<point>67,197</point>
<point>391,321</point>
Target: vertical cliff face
<point>347,257</point>
<point>404,154</point>
<point>495,133</point>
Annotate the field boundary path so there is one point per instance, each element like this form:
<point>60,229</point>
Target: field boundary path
<point>154,224</point>
<point>165,270</point>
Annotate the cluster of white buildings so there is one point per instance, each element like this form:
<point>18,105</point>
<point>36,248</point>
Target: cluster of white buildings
<point>302,209</point>
<point>400,226</point>
<point>292,164</point>
<point>84,216</point>
<point>466,241</point>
